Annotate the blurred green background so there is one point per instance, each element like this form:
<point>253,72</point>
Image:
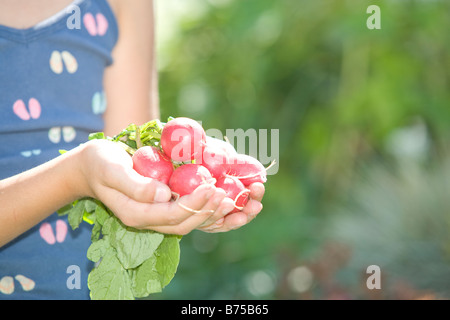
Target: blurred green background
<point>364,120</point>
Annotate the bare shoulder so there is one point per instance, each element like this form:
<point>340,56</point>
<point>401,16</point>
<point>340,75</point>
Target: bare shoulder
<point>121,7</point>
<point>129,79</point>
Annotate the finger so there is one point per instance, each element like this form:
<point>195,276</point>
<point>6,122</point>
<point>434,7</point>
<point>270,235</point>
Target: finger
<point>137,187</point>
<point>185,227</point>
<point>225,208</point>
<point>215,227</point>
<point>257,191</point>
<point>176,212</point>
<point>171,213</point>
<point>131,212</point>
<point>209,212</point>
<point>222,206</point>
<point>196,201</point>
<point>252,208</point>
<point>235,220</point>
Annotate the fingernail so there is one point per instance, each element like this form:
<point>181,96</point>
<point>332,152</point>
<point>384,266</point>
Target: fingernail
<point>161,195</point>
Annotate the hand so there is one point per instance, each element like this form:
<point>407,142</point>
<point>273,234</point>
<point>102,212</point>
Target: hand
<point>144,203</point>
<point>238,219</point>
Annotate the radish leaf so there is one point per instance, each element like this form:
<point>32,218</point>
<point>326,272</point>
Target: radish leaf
<point>131,263</point>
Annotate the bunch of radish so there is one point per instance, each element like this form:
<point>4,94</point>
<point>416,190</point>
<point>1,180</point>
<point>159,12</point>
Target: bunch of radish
<point>187,158</point>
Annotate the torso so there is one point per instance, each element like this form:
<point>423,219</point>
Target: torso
<point>52,97</point>
<point>23,14</point>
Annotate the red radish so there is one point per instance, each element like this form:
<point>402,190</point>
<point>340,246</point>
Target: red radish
<point>215,159</point>
<point>183,139</point>
<point>186,178</point>
<point>234,190</point>
<point>247,169</point>
<point>152,163</point>
<point>225,146</point>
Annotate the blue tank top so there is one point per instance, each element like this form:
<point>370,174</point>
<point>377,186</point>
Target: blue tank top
<point>51,98</point>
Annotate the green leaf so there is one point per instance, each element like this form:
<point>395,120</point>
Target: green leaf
<point>97,135</point>
<point>101,214</point>
<point>97,250</point>
<point>132,144</point>
<point>107,225</point>
<point>76,214</point>
<point>96,231</point>
<point>133,246</point>
<point>168,258</point>
<point>145,279</point>
<point>90,205</point>
<point>65,210</point>
<point>110,281</point>
<point>157,271</point>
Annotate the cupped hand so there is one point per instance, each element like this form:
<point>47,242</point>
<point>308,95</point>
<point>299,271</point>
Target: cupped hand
<point>145,203</point>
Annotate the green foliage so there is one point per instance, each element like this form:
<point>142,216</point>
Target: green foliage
<point>132,263</point>
<point>343,96</point>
